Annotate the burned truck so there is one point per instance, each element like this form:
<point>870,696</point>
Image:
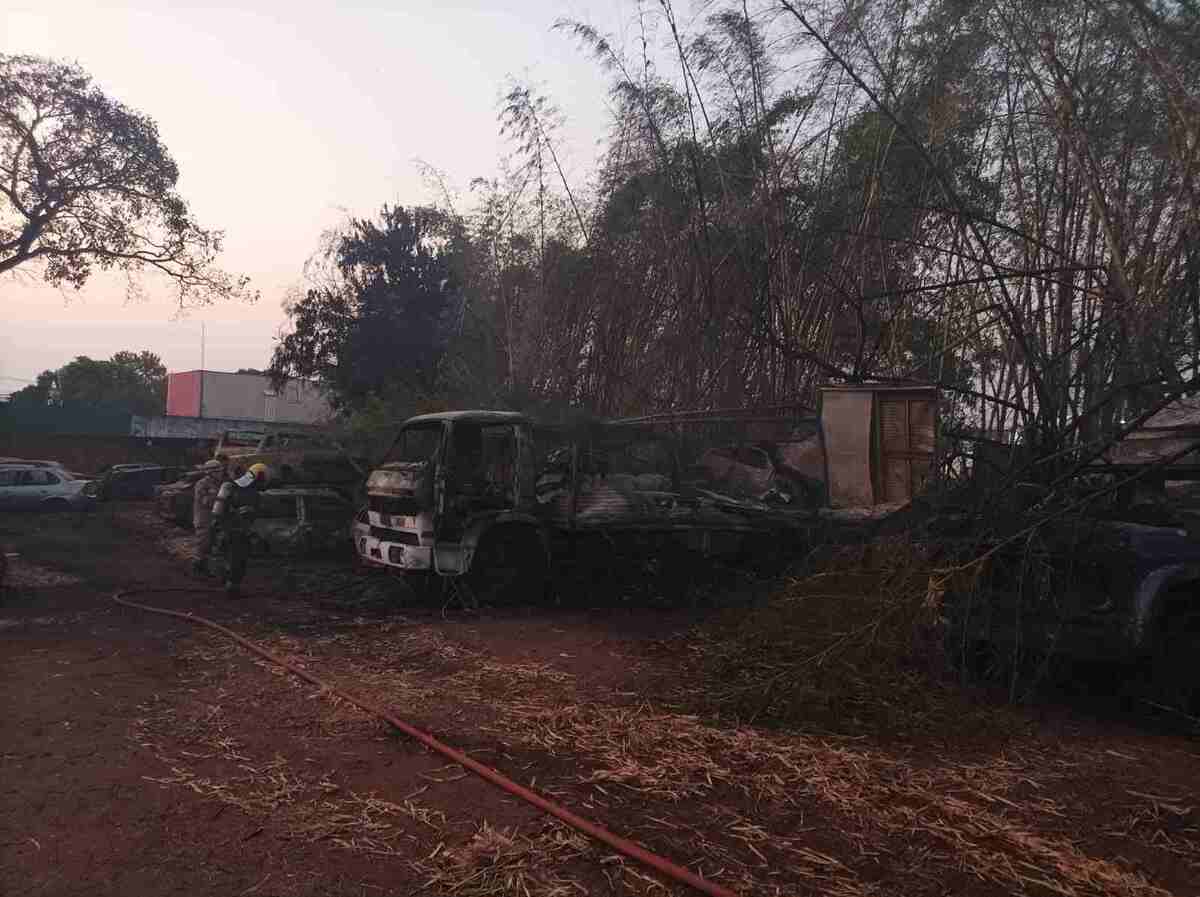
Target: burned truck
<point>492,496</point>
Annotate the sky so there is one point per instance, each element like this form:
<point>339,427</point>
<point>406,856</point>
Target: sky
<point>283,118</point>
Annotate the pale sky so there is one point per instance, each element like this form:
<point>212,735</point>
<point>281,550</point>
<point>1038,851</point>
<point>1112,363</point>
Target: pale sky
<point>282,117</point>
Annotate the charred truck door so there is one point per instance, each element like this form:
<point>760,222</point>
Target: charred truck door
<point>481,485</point>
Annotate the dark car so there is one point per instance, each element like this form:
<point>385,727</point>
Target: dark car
<point>137,481</point>
<point>1090,590</point>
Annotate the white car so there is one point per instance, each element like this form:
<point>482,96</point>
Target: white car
<point>41,489</point>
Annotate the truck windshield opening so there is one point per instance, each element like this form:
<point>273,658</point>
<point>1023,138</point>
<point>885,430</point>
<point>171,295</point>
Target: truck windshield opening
<point>415,444</point>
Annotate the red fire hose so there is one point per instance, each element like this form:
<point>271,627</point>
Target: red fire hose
<point>622,845</point>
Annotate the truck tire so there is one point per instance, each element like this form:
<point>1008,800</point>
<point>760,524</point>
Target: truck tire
<point>509,566</point>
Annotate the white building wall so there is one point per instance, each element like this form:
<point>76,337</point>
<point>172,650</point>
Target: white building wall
<point>250,397</point>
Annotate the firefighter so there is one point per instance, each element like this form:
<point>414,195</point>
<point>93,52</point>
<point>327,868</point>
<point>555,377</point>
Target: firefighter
<point>203,497</point>
<point>233,513</point>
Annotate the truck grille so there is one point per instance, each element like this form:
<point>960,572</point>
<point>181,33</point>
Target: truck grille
<point>394,535</point>
<point>395,505</point>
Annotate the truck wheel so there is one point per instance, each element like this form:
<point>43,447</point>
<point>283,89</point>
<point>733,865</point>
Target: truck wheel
<point>509,566</point>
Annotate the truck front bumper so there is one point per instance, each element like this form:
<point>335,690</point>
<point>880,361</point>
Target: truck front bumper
<point>380,553</point>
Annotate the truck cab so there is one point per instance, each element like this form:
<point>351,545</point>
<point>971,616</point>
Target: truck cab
<point>453,487</point>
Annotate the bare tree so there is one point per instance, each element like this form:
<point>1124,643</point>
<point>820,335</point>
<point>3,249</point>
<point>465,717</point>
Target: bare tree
<point>86,184</point>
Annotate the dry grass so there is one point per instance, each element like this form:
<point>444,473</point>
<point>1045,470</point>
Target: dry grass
<point>765,812</point>
<point>854,649</point>
<point>969,816</point>
<point>302,803</point>
<point>1170,823</point>
<point>26,574</point>
<point>502,861</point>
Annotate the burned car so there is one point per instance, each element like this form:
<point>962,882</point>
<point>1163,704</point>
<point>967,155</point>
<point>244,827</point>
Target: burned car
<point>292,520</point>
<point>293,458</point>
<point>132,481</point>
<point>299,521</point>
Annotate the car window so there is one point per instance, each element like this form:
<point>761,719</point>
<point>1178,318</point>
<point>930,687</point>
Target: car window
<point>32,478</point>
<point>51,479</point>
<point>8,477</point>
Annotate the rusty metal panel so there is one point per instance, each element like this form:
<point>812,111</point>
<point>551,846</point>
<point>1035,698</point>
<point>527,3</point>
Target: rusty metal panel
<point>847,435</point>
<point>879,442</point>
<point>897,482</point>
<point>922,423</point>
<point>893,425</point>
<point>921,468</point>
<point>806,457</point>
<point>907,435</point>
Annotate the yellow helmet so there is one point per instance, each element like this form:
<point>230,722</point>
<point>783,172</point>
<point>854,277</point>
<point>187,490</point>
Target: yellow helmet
<point>260,472</point>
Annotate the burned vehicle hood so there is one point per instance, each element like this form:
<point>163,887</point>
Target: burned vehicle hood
<point>401,488</point>
<point>398,477</point>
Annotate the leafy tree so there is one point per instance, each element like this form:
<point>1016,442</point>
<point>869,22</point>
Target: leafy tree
<point>86,184</point>
<point>44,391</point>
<point>385,315</point>
<point>136,381</point>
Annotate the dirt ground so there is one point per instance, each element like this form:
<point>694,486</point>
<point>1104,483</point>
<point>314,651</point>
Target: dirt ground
<point>145,755</point>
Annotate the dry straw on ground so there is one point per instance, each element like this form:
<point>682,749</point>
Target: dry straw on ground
<point>767,812</point>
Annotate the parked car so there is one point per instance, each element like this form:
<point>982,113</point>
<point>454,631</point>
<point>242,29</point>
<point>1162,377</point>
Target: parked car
<point>132,481</point>
<point>41,489</point>
<point>25,462</point>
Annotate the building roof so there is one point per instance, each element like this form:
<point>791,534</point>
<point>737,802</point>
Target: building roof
<point>483,417</point>
<point>923,388</point>
<point>1183,412</point>
<point>261,375</point>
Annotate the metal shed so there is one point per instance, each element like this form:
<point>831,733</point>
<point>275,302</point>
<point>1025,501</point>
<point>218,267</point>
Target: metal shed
<point>879,442</point>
